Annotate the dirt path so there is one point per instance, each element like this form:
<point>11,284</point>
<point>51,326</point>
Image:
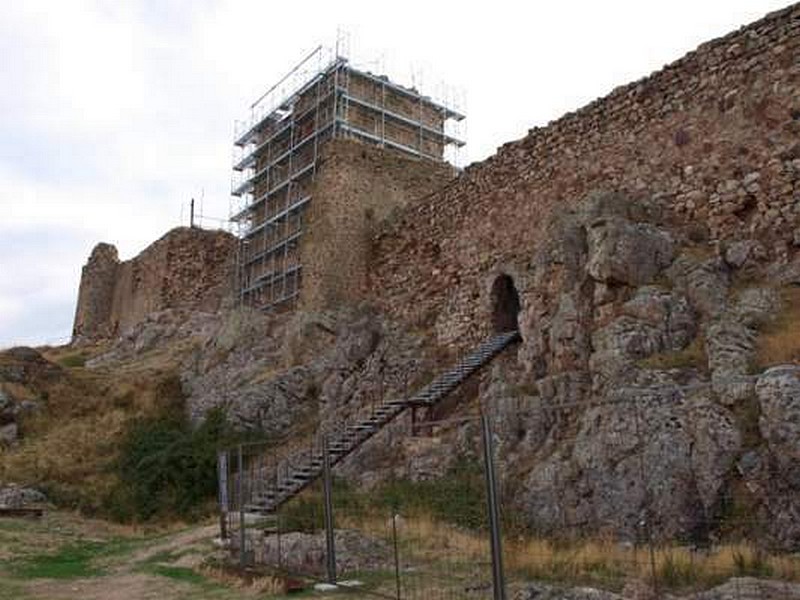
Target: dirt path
<point>178,542</point>
<point>128,586</point>
<point>65,557</point>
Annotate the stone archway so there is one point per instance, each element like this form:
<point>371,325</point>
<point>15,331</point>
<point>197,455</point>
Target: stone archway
<point>505,304</point>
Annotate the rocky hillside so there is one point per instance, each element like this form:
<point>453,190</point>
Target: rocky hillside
<point>663,376</point>
<point>658,375</point>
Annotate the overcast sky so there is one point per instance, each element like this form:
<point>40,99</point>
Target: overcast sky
<point>114,114</point>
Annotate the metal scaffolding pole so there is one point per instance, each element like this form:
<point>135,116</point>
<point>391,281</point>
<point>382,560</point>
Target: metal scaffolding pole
<point>498,574</point>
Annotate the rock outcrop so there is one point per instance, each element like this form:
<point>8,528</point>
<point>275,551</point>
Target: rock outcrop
<point>739,588</point>
<point>639,356</point>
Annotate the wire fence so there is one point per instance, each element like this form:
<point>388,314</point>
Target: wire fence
<point>506,513</point>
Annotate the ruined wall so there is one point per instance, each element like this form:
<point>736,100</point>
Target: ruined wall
<point>96,293</point>
<point>357,186</point>
<point>714,136</point>
<point>185,269</point>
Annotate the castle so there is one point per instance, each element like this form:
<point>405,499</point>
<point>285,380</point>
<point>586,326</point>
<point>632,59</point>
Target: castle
<point>645,249</point>
<point>713,136</point>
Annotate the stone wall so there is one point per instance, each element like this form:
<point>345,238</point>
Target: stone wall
<point>96,293</point>
<point>185,269</point>
<point>714,137</point>
<point>357,187</point>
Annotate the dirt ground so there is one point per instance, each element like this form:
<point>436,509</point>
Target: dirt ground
<point>64,556</point>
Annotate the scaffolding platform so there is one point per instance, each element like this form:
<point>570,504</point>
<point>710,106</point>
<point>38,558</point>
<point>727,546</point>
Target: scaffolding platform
<point>277,149</point>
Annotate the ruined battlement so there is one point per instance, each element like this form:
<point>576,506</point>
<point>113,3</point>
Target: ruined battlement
<point>187,268</point>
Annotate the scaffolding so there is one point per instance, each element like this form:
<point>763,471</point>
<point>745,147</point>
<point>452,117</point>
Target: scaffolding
<point>276,153</point>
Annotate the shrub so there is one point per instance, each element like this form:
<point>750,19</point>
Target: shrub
<point>165,467</point>
<point>71,361</point>
<point>457,498</point>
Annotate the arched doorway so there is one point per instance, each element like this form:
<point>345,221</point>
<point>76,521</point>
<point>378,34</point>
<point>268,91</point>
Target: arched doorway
<point>505,304</point>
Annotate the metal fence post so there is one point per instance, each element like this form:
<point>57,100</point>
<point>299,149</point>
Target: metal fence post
<point>396,554</point>
<point>240,500</point>
<point>498,575</point>
<point>328,492</point>
<point>222,485</point>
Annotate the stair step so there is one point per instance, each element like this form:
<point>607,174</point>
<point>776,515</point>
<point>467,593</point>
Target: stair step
<point>362,426</point>
<point>352,436</point>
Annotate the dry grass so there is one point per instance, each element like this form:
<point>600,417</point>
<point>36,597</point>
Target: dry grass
<point>779,342</point>
<point>604,561</point>
<point>68,446</point>
<point>693,356</point>
<point>601,562</point>
<point>260,585</point>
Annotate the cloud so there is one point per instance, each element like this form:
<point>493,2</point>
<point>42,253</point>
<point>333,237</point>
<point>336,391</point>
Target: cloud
<point>114,114</point>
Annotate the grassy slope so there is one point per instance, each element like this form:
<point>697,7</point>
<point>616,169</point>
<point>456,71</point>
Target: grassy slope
<point>67,556</point>
<point>69,445</point>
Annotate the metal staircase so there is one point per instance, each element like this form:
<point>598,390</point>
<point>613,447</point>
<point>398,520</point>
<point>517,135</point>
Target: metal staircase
<point>267,488</point>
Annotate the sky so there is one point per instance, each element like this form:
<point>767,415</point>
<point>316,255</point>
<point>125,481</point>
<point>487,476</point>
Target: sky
<point>114,114</point>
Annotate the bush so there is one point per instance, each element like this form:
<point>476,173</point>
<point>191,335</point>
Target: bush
<point>72,361</point>
<point>458,498</point>
<point>167,468</point>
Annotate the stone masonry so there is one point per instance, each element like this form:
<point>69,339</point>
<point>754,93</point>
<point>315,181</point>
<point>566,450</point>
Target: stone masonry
<point>186,269</point>
<point>357,187</point>
<point>714,137</point>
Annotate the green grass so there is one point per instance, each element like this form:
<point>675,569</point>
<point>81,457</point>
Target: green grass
<point>10,590</point>
<point>184,574</point>
<point>70,562</point>
<point>456,498</point>
<point>72,361</point>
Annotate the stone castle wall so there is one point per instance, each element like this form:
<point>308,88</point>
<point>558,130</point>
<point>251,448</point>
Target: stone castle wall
<point>185,269</point>
<point>715,137</point>
<point>357,187</point>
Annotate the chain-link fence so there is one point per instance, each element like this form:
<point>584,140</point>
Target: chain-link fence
<point>605,496</point>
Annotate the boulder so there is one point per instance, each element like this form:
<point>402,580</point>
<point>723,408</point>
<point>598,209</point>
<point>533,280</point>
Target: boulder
<point>755,306</point>
<point>750,588</point>
<point>621,252</point>
<point>705,282</point>
<point>653,321</point>
<point>9,433</point>
<point>305,552</point>
<point>25,365</point>
<point>744,253</point>
<point>778,393</point>
<point>15,496</point>
<point>654,450</point>
<point>544,591</point>
<point>730,345</point>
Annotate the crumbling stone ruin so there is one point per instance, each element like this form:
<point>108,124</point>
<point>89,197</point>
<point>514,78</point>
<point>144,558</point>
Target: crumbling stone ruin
<point>188,269</point>
<point>647,246</point>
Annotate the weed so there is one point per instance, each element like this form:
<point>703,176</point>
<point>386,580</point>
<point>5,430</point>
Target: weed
<point>184,574</point>
<point>72,361</point>
<point>692,356</point>
<point>455,498</point>
<point>779,341</point>
<point>70,562</point>
<point>751,562</point>
<point>676,571</point>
